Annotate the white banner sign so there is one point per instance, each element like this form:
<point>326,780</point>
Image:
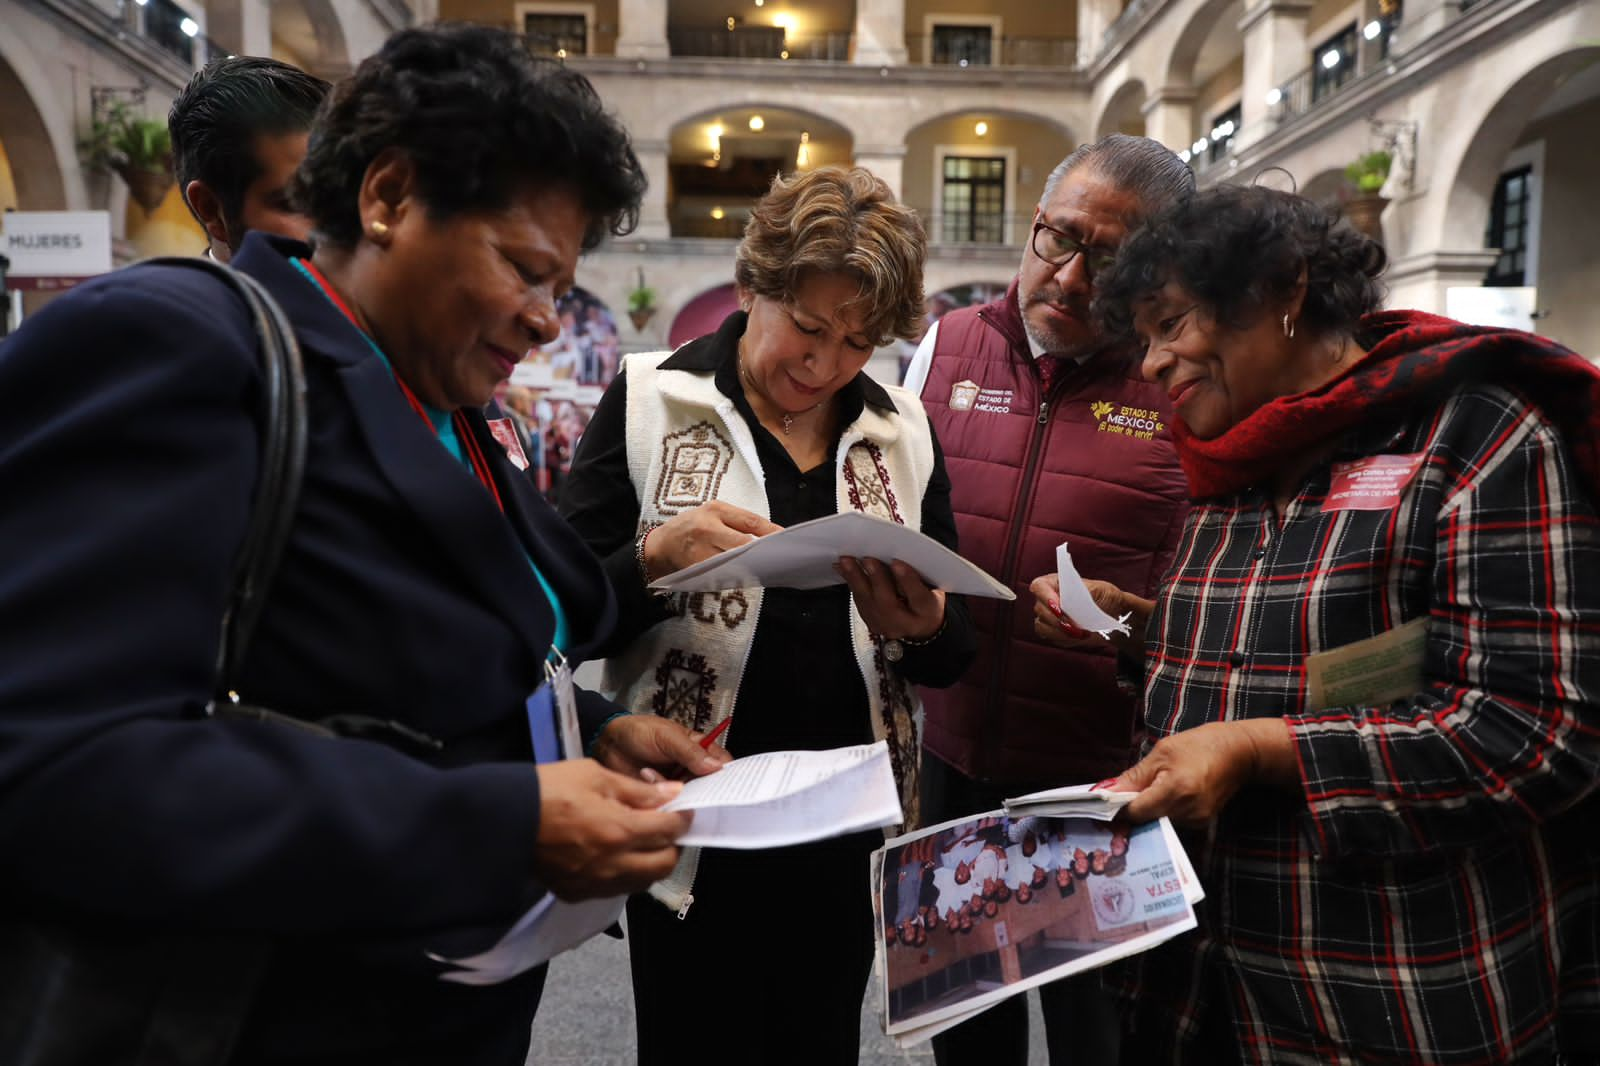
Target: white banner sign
<point>56,244</point>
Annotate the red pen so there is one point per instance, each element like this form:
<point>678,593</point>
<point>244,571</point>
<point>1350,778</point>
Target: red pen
<point>711,737</point>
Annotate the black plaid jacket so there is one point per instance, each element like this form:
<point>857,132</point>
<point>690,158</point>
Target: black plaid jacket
<point>1433,898</point>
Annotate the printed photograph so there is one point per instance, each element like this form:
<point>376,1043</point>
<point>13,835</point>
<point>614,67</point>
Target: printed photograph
<point>976,910</point>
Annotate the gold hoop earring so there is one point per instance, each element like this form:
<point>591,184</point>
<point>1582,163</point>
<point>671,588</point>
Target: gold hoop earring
<point>378,230</point>
<point>1288,327</point>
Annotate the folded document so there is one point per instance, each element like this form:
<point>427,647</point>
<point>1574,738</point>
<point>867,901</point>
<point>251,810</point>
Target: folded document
<point>803,556</point>
<point>761,801</point>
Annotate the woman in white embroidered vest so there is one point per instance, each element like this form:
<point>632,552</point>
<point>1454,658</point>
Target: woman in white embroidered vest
<point>768,422</point>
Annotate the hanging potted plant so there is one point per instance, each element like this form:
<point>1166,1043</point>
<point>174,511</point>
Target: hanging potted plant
<point>1365,207</point>
<point>137,149</point>
<point>641,304</point>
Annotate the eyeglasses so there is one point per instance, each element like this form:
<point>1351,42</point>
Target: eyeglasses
<point>1057,249</point>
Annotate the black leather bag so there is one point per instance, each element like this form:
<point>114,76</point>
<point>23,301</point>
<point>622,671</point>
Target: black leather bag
<point>76,995</point>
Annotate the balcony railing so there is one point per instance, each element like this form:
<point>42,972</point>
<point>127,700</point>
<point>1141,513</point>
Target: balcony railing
<point>995,52</point>
<point>758,42</point>
<point>164,24</point>
<point>158,25</point>
<point>729,227</point>
<point>1123,25</point>
<point>949,229</point>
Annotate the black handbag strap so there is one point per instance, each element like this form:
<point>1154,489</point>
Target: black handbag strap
<point>283,458</point>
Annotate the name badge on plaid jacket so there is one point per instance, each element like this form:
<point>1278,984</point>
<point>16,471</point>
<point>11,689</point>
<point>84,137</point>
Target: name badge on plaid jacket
<point>1374,484</point>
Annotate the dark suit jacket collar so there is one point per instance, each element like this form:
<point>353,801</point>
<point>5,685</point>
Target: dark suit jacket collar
<point>710,352</point>
<point>489,549</point>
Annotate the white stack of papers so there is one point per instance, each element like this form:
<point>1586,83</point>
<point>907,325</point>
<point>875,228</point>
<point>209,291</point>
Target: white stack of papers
<point>791,797</point>
<point>803,556</point>
<point>761,801</point>
<point>1073,801</point>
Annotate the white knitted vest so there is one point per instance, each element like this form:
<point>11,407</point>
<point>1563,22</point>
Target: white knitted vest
<point>688,445</point>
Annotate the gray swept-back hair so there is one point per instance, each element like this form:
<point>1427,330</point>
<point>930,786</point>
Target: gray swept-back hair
<point>1146,168</point>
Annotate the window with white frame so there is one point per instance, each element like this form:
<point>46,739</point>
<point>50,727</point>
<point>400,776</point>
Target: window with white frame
<point>972,199</point>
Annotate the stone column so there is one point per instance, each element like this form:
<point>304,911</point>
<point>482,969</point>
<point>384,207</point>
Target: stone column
<point>887,161</point>
<point>1419,281</point>
<point>653,222</point>
<point>642,29</point>
<point>1094,19</point>
<point>1419,20</point>
<point>880,33</point>
<point>1169,116</point>
<point>243,27</point>
<point>1275,50</point>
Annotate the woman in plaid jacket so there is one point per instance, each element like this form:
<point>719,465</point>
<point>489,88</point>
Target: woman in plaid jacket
<point>1399,855</point>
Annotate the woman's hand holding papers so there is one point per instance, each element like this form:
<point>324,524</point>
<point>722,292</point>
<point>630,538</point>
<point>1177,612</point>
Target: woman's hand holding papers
<point>631,744</point>
<point>1190,776</point>
<point>1054,627</point>
<point>601,833</point>
<point>698,534</point>
<point>893,599</point>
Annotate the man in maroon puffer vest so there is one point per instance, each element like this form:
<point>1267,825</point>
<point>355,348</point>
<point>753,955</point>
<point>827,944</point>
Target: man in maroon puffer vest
<point>1049,435</point>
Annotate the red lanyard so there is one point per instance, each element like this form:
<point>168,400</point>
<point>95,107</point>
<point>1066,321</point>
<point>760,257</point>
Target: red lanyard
<point>469,443</point>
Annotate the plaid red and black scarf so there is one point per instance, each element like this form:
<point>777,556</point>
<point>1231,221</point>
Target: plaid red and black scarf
<point>1412,358</point>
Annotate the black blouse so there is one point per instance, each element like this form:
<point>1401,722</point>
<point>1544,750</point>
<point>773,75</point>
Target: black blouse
<point>802,687</point>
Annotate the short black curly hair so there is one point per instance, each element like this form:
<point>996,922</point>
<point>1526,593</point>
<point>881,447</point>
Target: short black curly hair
<point>481,119</point>
<point>1238,249</point>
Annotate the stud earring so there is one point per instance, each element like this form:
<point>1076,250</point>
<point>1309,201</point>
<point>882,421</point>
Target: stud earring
<point>379,231</point>
<point>1288,327</point>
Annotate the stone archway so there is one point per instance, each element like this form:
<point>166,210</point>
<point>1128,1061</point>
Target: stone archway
<point>1028,145</point>
<point>40,165</point>
<point>1489,138</point>
<point>1535,133</point>
<point>1329,188</point>
<point>1124,111</point>
<point>1180,65</point>
<point>311,35</point>
<point>703,314</point>
<point>722,161</point>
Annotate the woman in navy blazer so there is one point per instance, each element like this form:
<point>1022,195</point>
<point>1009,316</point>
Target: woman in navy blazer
<point>453,182</point>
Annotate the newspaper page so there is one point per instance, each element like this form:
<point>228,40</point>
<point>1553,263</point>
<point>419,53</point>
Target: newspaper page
<point>974,911</point>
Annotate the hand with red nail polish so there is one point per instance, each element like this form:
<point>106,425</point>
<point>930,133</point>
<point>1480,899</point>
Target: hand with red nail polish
<point>1053,627</point>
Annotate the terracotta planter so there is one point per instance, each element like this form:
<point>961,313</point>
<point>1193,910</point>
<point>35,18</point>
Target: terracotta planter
<point>147,187</point>
<point>1365,214</point>
<point>641,318</point>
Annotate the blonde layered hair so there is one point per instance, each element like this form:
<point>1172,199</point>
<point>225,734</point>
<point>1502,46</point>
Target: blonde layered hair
<point>838,220</point>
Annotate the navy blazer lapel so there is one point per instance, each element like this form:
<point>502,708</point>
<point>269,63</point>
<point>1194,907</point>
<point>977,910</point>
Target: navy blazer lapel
<point>449,501</point>
<point>563,558</point>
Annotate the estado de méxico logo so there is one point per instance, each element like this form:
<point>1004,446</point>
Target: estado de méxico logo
<point>970,396</point>
<point>1137,422</point>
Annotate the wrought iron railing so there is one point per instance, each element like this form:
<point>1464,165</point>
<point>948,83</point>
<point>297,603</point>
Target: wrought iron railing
<point>948,228</point>
<point>757,42</point>
<point>994,52</point>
